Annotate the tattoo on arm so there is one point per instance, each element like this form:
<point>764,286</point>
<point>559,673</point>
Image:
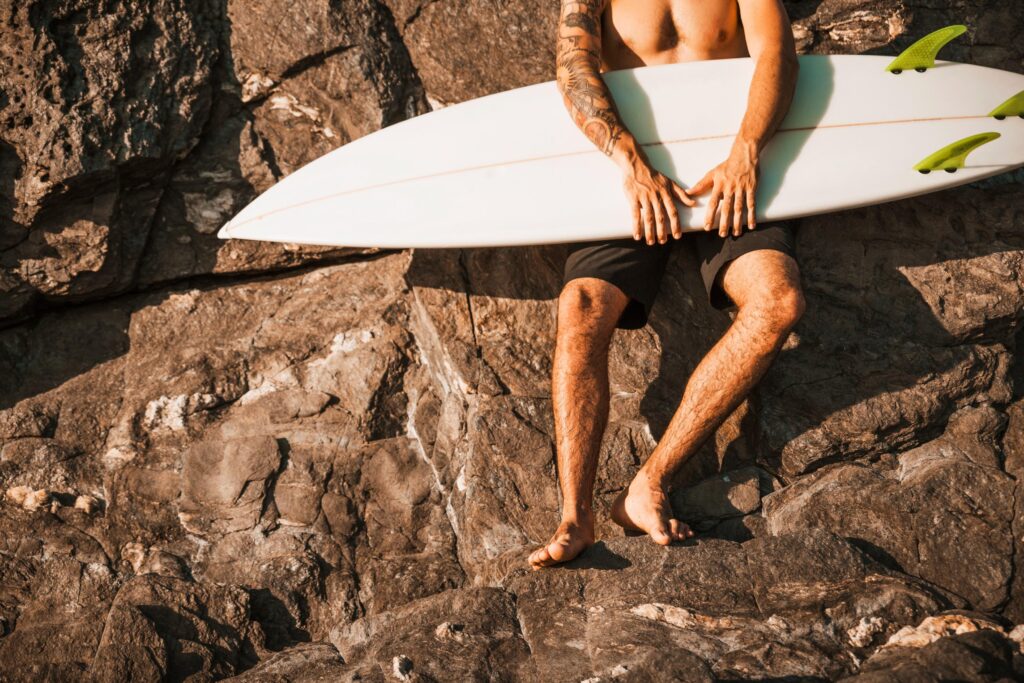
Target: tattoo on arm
<point>578,66</point>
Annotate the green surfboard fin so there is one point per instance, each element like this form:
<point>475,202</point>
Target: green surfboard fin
<point>1011,107</point>
<point>921,55</point>
<point>952,157</point>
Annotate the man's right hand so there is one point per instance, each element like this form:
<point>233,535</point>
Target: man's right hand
<point>652,196</point>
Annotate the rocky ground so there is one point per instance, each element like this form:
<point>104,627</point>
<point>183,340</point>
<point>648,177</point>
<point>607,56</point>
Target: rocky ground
<point>274,463</point>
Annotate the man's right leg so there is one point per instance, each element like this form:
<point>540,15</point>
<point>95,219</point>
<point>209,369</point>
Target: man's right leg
<point>588,311</point>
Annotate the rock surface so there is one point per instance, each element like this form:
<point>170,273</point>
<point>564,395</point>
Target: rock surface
<point>273,463</point>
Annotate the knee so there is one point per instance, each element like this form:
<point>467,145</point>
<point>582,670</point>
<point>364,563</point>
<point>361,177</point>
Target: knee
<point>781,309</point>
<point>588,306</point>
<point>790,306</point>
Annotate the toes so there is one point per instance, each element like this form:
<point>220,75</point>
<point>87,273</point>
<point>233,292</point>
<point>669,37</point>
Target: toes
<point>540,558</point>
<point>553,553</point>
<point>556,551</point>
<point>543,557</point>
<point>680,530</point>
<point>660,536</point>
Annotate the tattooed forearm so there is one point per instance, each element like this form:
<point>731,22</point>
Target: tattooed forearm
<point>578,67</point>
<point>589,103</point>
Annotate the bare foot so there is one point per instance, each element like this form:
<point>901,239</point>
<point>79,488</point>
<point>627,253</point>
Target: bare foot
<point>645,507</point>
<point>571,538</point>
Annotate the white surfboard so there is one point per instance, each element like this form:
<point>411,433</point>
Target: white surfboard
<point>513,169</point>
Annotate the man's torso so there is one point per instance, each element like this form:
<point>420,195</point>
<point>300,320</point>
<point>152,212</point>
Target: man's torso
<point>644,32</point>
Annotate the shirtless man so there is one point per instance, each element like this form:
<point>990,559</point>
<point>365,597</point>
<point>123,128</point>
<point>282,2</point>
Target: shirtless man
<point>613,284</point>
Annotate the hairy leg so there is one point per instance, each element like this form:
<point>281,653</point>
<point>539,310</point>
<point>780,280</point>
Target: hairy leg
<point>765,285</point>
<point>588,310</point>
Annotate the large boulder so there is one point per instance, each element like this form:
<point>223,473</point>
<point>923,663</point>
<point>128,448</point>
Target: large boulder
<point>964,545</point>
<point>102,101</point>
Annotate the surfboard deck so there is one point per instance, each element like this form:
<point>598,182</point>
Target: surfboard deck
<point>512,168</point>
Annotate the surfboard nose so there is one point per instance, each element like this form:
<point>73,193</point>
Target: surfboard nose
<point>224,233</point>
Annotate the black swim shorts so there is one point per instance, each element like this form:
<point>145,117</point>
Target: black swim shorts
<point>637,268</point>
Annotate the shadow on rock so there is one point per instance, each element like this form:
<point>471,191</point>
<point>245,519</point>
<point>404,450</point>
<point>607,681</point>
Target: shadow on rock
<point>599,557</point>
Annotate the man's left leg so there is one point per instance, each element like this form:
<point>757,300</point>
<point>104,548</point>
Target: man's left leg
<point>765,287</point>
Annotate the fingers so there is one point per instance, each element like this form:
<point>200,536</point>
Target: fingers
<point>737,215</point>
<point>649,227</point>
<point>709,216</point>
<point>751,220</point>
<point>703,185</point>
<point>673,214</point>
<point>654,211</point>
<point>660,220</point>
<point>724,213</point>
<point>683,197</point>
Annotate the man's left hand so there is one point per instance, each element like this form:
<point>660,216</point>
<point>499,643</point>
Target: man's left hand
<point>733,184</point>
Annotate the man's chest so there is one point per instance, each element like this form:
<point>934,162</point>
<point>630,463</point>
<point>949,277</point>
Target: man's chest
<point>659,25</point>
